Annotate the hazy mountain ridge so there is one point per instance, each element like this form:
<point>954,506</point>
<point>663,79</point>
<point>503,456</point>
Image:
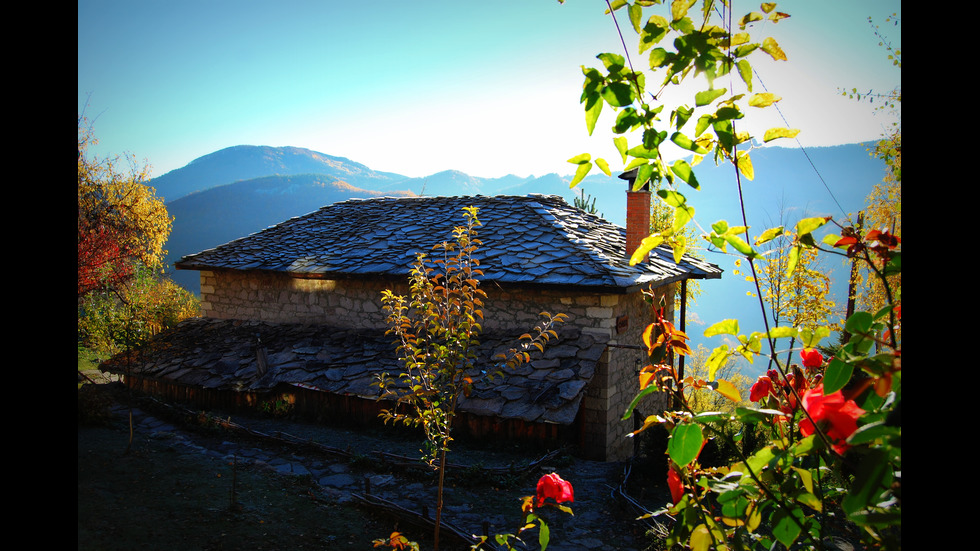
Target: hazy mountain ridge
<point>246,162</point>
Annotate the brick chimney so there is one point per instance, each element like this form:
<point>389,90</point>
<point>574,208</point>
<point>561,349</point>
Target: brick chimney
<point>637,213</point>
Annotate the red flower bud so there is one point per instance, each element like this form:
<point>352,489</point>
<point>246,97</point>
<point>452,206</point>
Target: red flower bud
<point>675,484</point>
<point>552,485</point>
<point>811,358</point>
<point>760,389</point>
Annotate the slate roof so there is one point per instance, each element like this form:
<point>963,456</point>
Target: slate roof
<point>222,355</point>
<point>532,239</point>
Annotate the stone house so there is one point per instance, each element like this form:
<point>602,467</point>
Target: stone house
<point>294,312</point>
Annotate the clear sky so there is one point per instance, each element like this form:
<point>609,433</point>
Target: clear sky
<point>485,87</point>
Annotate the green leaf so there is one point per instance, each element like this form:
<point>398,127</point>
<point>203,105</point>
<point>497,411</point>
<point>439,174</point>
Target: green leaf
<point>786,525</point>
<point>636,400</point>
<point>712,417</point>
<point>756,415</point>
<point>682,215</point>
<point>678,9</point>
<point>811,337</point>
<point>836,375</point>
<point>706,97</point>
<point>614,62</point>
<point>680,242</point>
<point>745,71</point>
<point>782,332</point>
<point>877,519</point>
<point>724,327</point>
<point>739,244</point>
<point>648,243</point>
<point>681,115</point>
<point>769,235</point>
<point>658,58</point>
<point>580,159</point>
<point>761,458</point>
<point>894,266</point>
<point>643,174</point>
<point>792,259</point>
<point>744,164</point>
<point>581,172</point>
<point>635,12</point>
<point>874,474</point>
<point>805,446</point>
<point>603,166</point>
<point>653,32</point>
<point>704,121</point>
<point>776,133</point>
<point>873,432</point>
<point>810,500</point>
<point>700,538</point>
<point>744,50</point>
<point>749,18</point>
<point>831,239</point>
<point>771,47</point>
<point>859,323</point>
<point>672,198</point>
<point>685,443</point>
<point>764,99</point>
<point>687,143</point>
<point>635,163</point>
<point>626,120</point>
<point>544,535</point>
<point>716,360</point>
<point>593,107</point>
<point>652,139</point>
<point>621,145</point>
<point>618,94</point>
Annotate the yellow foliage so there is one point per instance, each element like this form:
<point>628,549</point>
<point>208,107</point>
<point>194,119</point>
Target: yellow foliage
<point>116,205</point>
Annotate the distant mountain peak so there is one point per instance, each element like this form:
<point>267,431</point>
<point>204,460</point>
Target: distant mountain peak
<point>246,162</point>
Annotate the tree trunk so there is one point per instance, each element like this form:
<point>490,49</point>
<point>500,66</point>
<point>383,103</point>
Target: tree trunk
<point>442,478</point>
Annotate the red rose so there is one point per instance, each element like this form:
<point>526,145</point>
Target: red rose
<point>837,416</point>
<point>811,358</point>
<point>552,485</point>
<point>761,389</point>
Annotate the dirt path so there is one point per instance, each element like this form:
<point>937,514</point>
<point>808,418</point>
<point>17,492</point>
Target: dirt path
<point>233,482</point>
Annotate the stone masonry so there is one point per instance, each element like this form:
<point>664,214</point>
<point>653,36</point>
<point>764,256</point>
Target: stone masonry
<point>356,303</point>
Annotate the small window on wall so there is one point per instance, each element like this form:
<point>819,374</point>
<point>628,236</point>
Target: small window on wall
<point>622,323</point>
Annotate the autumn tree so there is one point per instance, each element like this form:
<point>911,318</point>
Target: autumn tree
<point>437,328</point>
<point>705,398</point>
<point>800,299</point>
<point>120,219</point>
<point>883,206</point>
<point>123,297</point>
<point>110,322</point>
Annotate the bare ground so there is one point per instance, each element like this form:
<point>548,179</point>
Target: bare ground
<point>186,489</point>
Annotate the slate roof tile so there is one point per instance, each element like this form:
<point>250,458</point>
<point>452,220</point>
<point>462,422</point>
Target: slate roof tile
<point>537,239</point>
<point>222,355</point>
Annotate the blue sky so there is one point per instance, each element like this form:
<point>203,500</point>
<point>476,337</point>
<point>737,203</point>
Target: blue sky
<point>489,88</point>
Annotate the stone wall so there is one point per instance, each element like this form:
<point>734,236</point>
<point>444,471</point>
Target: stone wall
<point>357,303</point>
<point>616,383</point>
<point>279,298</point>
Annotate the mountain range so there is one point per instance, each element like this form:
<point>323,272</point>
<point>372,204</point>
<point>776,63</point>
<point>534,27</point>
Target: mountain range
<point>243,189</point>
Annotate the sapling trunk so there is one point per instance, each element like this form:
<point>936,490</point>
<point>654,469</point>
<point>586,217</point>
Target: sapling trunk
<point>442,478</point>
